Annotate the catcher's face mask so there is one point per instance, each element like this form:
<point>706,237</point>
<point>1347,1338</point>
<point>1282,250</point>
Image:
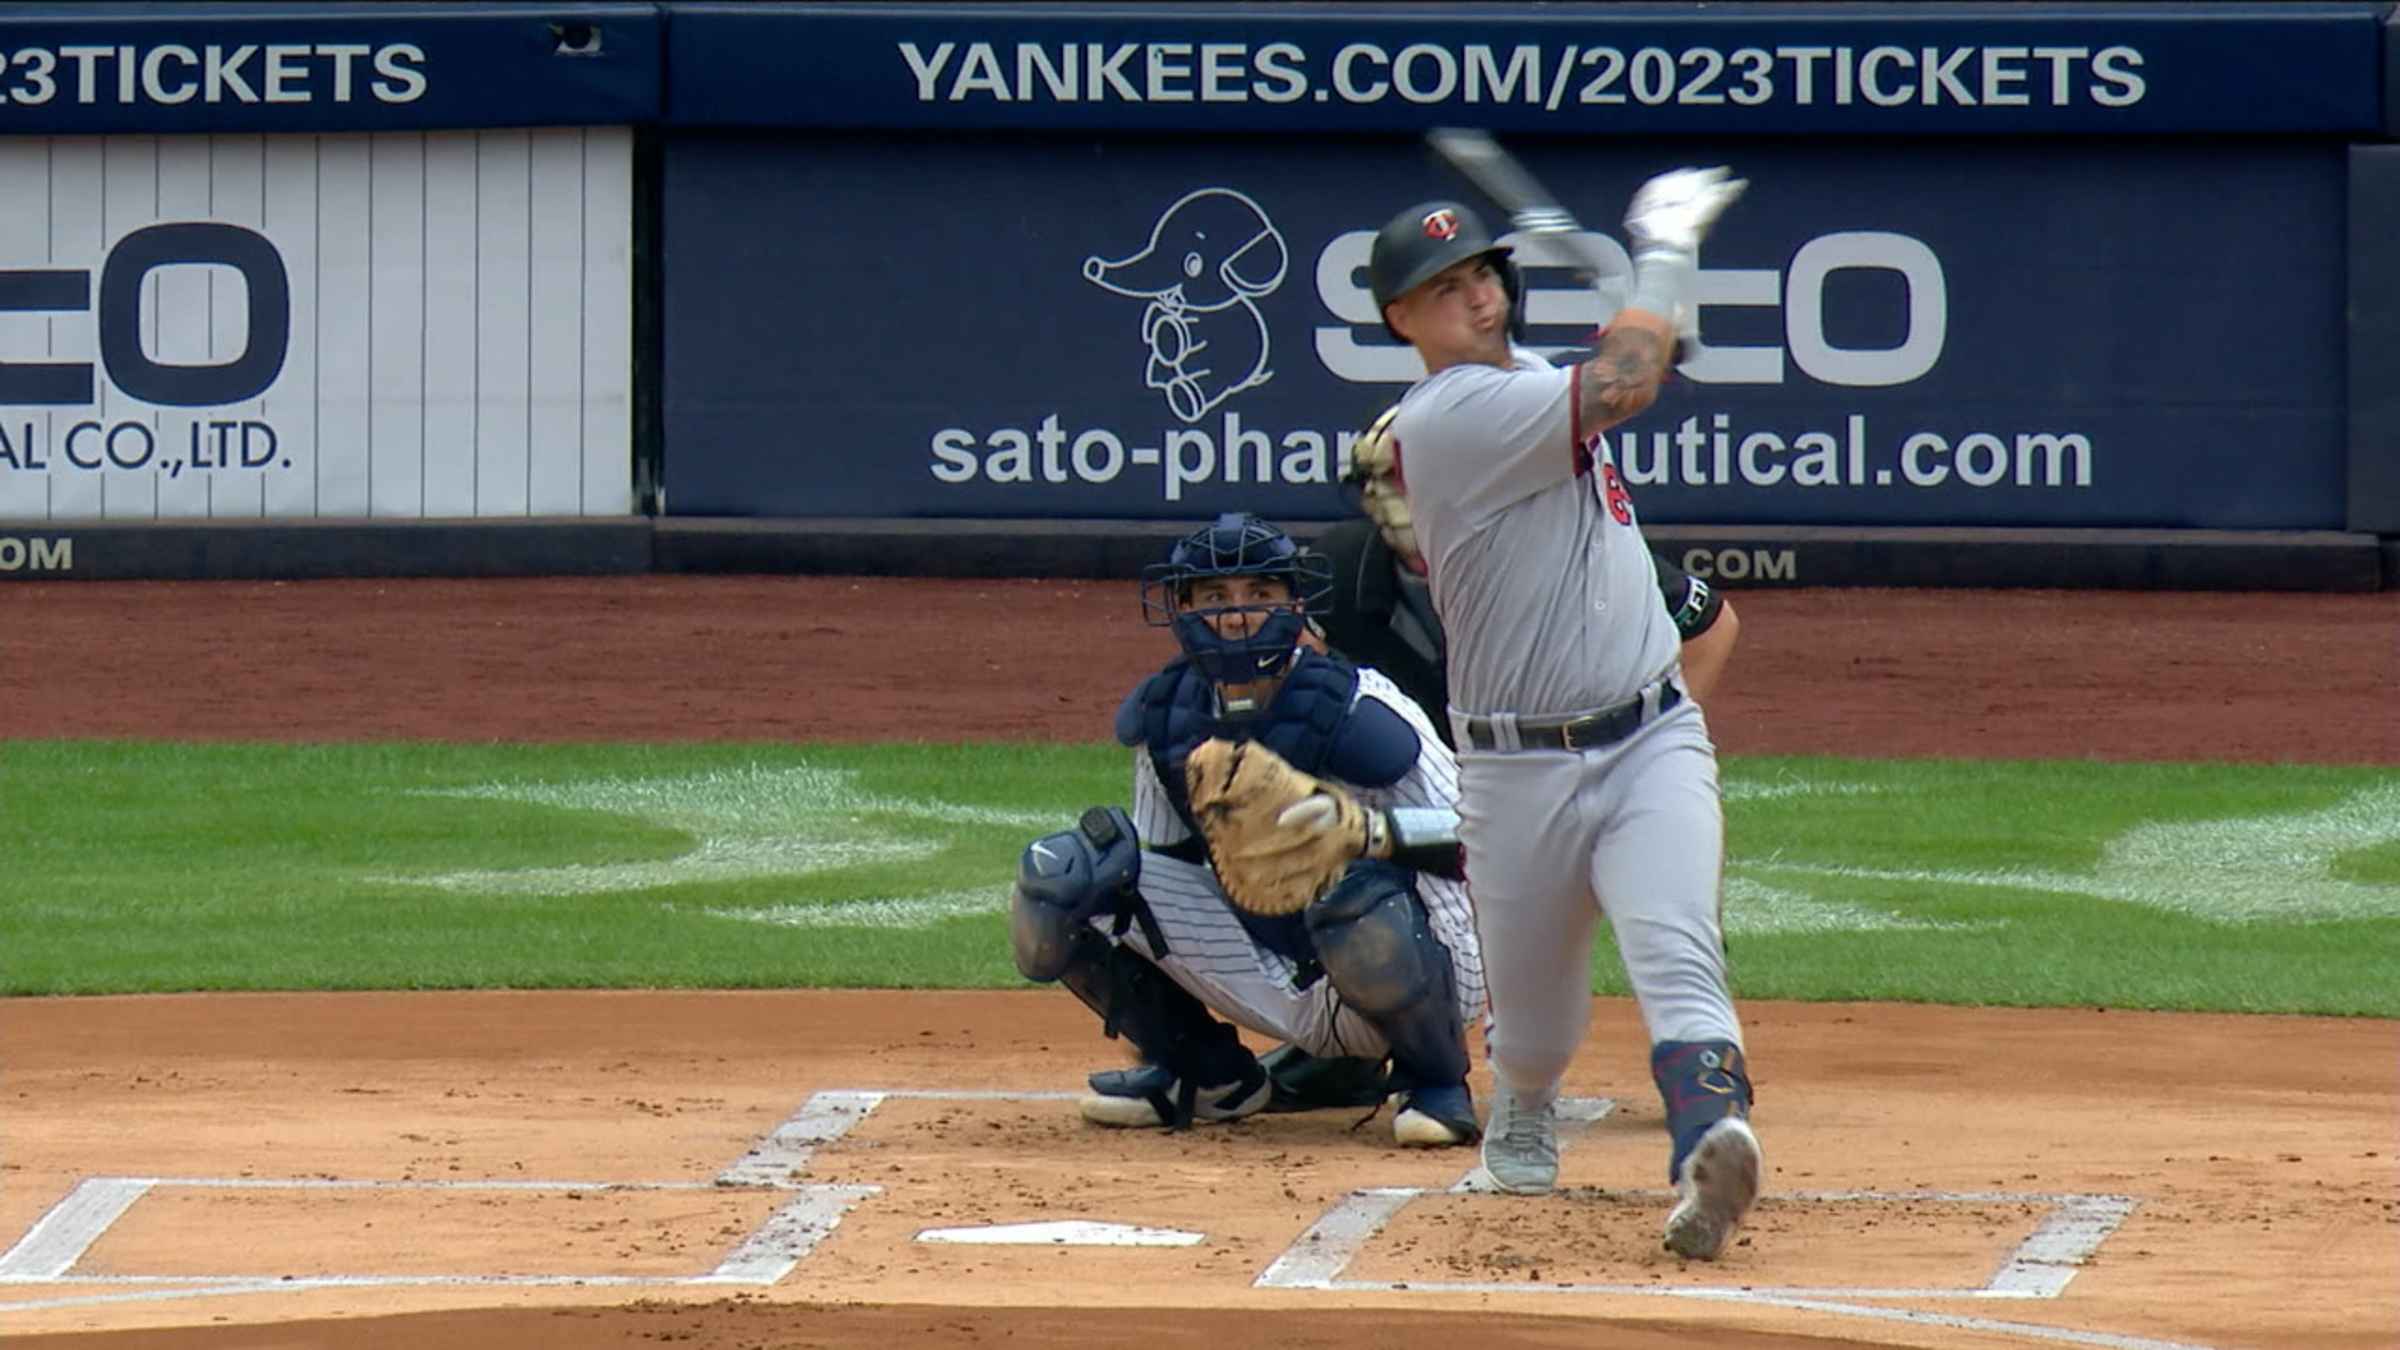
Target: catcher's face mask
<point>1255,624</point>
<point>1235,607</point>
<point>1241,552</point>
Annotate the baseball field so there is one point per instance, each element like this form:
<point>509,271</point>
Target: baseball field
<point>621,962</point>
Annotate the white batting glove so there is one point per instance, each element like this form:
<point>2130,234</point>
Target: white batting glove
<point>1672,212</point>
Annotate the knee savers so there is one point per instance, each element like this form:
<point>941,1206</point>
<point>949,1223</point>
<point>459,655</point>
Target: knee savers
<point>1373,939</point>
<point>1063,881</point>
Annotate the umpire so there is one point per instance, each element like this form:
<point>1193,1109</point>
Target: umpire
<point>1381,612</point>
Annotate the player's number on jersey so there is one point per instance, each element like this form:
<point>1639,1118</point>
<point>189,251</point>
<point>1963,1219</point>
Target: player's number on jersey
<point>1611,487</point>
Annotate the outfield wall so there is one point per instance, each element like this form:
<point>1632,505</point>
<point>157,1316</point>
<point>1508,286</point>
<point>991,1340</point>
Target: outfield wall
<point>2038,294</point>
<point>288,264</point>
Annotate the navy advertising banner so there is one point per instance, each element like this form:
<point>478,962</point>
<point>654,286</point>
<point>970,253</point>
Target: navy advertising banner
<point>1613,69</point>
<point>1954,334</point>
<point>167,68</point>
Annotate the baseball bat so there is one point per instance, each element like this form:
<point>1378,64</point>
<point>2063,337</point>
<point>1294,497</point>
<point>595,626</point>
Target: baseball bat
<point>1531,207</point>
<point>1534,209</point>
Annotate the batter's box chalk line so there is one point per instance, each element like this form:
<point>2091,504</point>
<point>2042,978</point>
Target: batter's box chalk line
<point>46,1256</point>
<point>49,1251</point>
<point>2039,1268</point>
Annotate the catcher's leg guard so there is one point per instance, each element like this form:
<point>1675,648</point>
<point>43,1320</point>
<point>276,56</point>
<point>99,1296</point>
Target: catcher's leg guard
<point>1716,1163</point>
<point>1063,881</point>
<point>1306,1082</point>
<point>1378,947</point>
<point>1193,1066</point>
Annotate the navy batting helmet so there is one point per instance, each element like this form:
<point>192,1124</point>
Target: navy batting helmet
<point>1426,238</point>
<point>1236,544</point>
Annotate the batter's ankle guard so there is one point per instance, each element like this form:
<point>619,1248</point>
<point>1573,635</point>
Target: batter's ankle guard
<point>1702,1082</point>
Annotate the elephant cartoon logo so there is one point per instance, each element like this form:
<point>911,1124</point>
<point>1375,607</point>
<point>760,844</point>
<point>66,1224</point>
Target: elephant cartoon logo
<point>1210,256</point>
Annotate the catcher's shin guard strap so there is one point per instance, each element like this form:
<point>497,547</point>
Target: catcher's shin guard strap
<point>1166,1023</point>
<point>1306,1082</point>
<point>1174,1101</point>
<point>1702,1082</point>
<point>1136,913</point>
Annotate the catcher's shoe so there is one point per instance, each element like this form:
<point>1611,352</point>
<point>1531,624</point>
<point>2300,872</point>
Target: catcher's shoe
<point>1434,1117</point>
<point>1715,1186</point>
<point>1306,1082</point>
<point>1520,1146</point>
<point>1149,1096</point>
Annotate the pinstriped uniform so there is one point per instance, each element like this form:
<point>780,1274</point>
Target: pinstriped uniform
<point>1213,956</point>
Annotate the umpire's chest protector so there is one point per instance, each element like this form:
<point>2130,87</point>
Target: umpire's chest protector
<point>1312,722</point>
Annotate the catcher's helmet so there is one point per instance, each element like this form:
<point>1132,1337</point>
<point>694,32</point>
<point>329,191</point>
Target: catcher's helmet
<point>1426,238</point>
<point>1236,544</point>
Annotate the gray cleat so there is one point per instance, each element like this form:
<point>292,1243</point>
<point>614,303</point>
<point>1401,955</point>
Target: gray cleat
<point>1520,1146</point>
<point>1719,1183</point>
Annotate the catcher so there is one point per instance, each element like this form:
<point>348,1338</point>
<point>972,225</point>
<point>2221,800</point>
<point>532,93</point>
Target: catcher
<point>1290,863</point>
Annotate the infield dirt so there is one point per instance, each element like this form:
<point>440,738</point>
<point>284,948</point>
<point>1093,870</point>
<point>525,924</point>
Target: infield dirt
<point>2258,1152</point>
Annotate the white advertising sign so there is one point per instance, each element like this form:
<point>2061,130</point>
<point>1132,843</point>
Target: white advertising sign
<point>398,325</point>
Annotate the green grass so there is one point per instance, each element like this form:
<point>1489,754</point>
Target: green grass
<point>135,866</point>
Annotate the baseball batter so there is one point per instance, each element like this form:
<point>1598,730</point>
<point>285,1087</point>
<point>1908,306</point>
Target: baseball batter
<point>1587,778</point>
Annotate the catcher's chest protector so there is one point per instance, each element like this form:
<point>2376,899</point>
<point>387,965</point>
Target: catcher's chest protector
<point>1176,709</point>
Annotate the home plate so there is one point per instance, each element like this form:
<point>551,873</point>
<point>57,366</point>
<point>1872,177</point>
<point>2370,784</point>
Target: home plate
<point>1063,1233</point>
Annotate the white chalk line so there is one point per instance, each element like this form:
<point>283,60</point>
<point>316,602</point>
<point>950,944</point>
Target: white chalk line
<point>50,1248</point>
<point>46,1255</point>
<point>48,1252</point>
<point>2039,1268</point>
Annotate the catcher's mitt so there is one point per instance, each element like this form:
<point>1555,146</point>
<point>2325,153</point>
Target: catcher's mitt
<point>1278,837</point>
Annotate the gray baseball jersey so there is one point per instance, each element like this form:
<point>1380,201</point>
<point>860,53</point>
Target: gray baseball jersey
<point>1540,574</point>
<point>1550,600</point>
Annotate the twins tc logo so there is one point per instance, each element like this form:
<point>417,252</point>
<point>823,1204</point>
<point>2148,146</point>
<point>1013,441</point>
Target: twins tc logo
<point>1209,258</point>
<point>1442,224</point>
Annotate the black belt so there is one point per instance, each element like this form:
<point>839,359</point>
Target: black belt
<point>1586,731</point>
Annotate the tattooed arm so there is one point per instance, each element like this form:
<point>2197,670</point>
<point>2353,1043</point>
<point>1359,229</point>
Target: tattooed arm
<point>1666,221</point>
<point>1623,376</point>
